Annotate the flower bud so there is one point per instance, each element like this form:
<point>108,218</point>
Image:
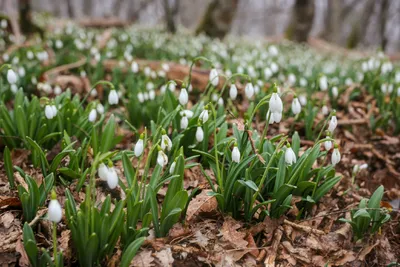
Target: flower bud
<point>296,107</point>
<point>11,76</point>
<point>183,97</point>
<point>290,157</point>
<point>199,134</point>
<point>113,97</point>
<point>92,115</point>
<point>103,172</point>
<point>54,212</point>
<point>249,90</point>
<point>233,92</point>
<point>214,79</point>
<point>112,178</point>
<point>235,154</point>
<point>335,156</point>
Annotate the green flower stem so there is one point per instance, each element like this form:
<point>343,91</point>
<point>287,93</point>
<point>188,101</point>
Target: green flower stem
<point>8,66</point>
<point>191,66</point>
<point>54,241</point>
<point>93,87</point>
<point>219,178</point>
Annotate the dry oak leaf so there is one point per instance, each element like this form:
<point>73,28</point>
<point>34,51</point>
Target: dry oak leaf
<point>165,257</point>
<point>143,259</point>
<point>202,203</point>
<point>23,260</point>
<point>200,239</point>
<point>229,233</point>
<point>7,219</point>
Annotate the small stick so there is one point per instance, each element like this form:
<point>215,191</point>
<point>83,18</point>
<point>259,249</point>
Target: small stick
<point>304,228</point>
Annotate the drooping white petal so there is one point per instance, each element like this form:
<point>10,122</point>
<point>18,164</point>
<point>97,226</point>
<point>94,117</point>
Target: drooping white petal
<point>112,178</point>
<point>233,92</point>
<point>183,97</point>
<point>204,116</point>
<point>11,76</point>
<point>113,98</point>
<point>235,154</point>
<point>139,147</point>
<point>249,90</point>
<point>296,107</point>
<point>332,124</point>
<point>172,168</point>
<point>214,79</point>
<point>275,103</point>
<point>199,134</point>
<point>335,156</point>
<point>92,115</point>
<point>48,112</point>
<point>166,143</point>
<point>54,212</point>
<point>290,157</point>
<point>184,122</point>
<point>103,171</point>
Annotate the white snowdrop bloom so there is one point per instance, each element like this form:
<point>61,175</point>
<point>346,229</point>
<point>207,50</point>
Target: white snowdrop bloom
<point>190,88</point>
<point>214,97</point>
<point>235,154</point>
<point>290,157</point>
<point>328,144</point>
<point>291,79</point>
<point>204,116</point>
<point>275,103</point>
<point>228,73</point>
<point>54,109</point>
<point>59,44</point>
<point>33,80</point>
<point>150,86</point>
<point>172,86</point>
<point>397,77</point>
<point>29,55</point>
<point>303,100</point>
<point>11,76</point>
<point>348,81</point>
<point>161,73</point>
<point>323,83</point>
<point>97,57</point>
<point>240,69</point>
<point>172,168</point>
<point>103,172</point>
<point>93,92</point>
<point>363,166</point>
<point>152,95</point>
<point>252,72</point>
<point>166,143</point>
<point>233,92</point>
<point>3,23</point>
<point>213,77</point>
<point>183,97</point>
<point>296,107</point>
<point>21,72</point>
<point>14,88</point>
<point>57,90</point>
<point>274,67</point>
<point>147,71</point>
<point>139,147</point>
<point>112,178</point>
<point>162,159</point>
<point>54,212</point>
<point>135,67</point>
<point>390,89</point>
<point>113,97</point>
<point>188,113</point>
<point>273,117</point>
<point>92,115</point>
<point>184,122</point>
<point>384,88</point>
<point>273,51</point>
<point>165,67</point>
<point>267,73</point>
<point>163,88</point>
<point>153,74</point>
<point>94,50</point>
<point>256,89</point>
<point>15,60</point>
<point>332,124</point>
<point>6,57</point>
<point>249,90</point>
<point>100,108</point>
<point>146,96</point>
<point>364,66</point>
<point>325,110</point>
<point>83,73</point>
<point>335,156</point>
<point>335,92</point>
<point>303,82</point>
<point>199,134</point>
<point>398,92</point>
<point>48,112</point>
<point>140,96</point>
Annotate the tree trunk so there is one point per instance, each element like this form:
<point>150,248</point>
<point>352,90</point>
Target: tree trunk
<point>169,15</point>
<point>302,19</point>
<point>217,19</point>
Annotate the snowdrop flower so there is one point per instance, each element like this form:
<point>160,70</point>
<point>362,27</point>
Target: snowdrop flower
<point>150,86</point>
<point>335,92</point>
<point>165,67</point>
<point>325,110</point>
<point>199,134</point>
<point>274,67</point>
<point>184,122</point>
<point>29,55</point>
<point>249,90</point>
<point>112,178</point>
<point>100,108</point>
<point>348,81</point>
<point>273,117</point>
<point>323,83</point>
<point>135,67</point>
<point>103,172</point>
<point>57,90</point>
<point>303,82</point>
<point>83,73</point>
<point>204,115</point>
<point>273,50</point>
<point>235,154</point>
<point>152,95</point>
<point>14,88</point>
<point>6,57</point>
<point>140,97</point>
<point>3,23</point>
<point>290,157</point>
<point>162,159</point>
<point>188,113</point>
<point>166,143</point>
<point>113,97</point>
<point>172,86</point>
<point>328,145</point>
<point>11,76</point>
<point>93,92</point>
<point>296,107</point>
<point>332,123</point>
<point>291,79</point>
<point>54,212</point>
<point>172,168</point>
<point>21,71</point>
<point>214,79</point>
<point>139,147</point>
<point>233,92</point>
<point>303,100</point>
<point>335,155</point>
<point>54,109</point>
<point>398,92</point>
<point>92,115</point>
<point>183,97</point>
<point>59,44</point>
<point>267,73</point>
<point>275,104</point>
<point>397,77</point>
<point>364,66</point>
<point>49,112</point>
<point>390,89</point>
<point>221,101</point>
